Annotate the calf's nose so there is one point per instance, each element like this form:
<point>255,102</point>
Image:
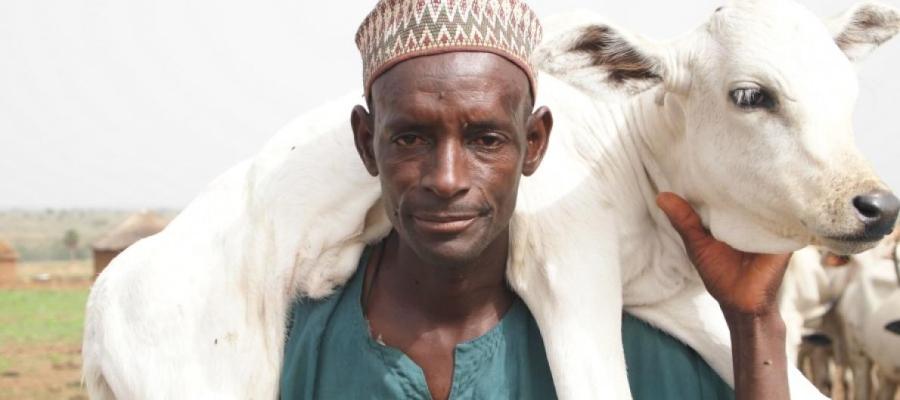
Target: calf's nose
<point>878,211</point>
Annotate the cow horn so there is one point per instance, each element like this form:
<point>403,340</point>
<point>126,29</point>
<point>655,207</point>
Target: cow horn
<point>893,327</point>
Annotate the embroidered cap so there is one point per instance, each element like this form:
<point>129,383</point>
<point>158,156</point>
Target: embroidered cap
<point>398,30</point>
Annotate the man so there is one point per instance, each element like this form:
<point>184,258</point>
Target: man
<point>450,129</point>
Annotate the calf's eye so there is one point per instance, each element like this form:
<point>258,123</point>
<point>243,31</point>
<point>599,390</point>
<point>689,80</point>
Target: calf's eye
<point>752,98</point>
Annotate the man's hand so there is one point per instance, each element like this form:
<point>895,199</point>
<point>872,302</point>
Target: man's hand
<point>746,287</point>
<point>742,283</point>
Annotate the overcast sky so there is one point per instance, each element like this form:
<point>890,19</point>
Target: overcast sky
<point>133,104</point>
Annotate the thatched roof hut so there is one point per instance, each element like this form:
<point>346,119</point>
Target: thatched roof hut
<point>134,228</point>
<point>8,258</point>
<point>7,252</point>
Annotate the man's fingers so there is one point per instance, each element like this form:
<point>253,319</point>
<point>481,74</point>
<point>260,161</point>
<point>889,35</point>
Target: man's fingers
<point>684,219</point>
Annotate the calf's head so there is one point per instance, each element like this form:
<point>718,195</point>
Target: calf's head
<point>764,94</point>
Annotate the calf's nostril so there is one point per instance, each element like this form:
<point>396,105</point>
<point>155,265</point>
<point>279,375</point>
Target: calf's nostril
<point>877,210</point>
<point>867,205</point>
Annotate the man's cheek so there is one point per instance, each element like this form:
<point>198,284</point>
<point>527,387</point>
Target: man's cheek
<point>392,203</point>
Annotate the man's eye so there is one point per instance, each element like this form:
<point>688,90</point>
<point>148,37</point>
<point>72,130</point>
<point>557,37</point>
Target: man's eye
<point>409,140</point>
<point>488,141</point>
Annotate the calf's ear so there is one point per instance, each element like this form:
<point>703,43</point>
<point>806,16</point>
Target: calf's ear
<point>598,57</point>
<point>864,27</point>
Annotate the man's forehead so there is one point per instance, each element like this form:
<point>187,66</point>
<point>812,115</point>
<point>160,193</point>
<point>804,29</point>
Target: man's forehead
<point>474,73</point>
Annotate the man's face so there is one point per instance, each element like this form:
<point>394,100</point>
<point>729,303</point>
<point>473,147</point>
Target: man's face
<point>450,135</point>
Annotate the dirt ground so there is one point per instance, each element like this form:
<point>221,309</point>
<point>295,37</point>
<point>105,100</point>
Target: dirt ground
<point>52,275</point>
<point>48,371</point>
<point>41,357</point>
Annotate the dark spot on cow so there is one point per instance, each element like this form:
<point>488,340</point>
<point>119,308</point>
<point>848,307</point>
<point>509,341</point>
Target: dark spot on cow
<point>611,52</point>
<point>817,339</point>
<point>216,341</point>
<point>867,27</point>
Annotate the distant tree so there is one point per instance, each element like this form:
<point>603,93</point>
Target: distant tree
<point>70,239</point>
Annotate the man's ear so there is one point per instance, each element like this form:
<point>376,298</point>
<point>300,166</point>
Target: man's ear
<point>601,59</point>
<point>540,123</point>
<point>364,138</point>
<point>864,27</point>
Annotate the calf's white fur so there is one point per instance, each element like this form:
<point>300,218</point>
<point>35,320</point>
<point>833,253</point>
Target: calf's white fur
<point>198,311</point>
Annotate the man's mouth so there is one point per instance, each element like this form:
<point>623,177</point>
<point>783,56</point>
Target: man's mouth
<point>445,224</point>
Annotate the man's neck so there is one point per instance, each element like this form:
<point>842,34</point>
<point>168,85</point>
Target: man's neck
<point>426,310</point>
<point>464,300</point>
<point>447,294</point>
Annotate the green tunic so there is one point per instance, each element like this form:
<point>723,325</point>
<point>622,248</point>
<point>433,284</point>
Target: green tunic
<point>662,368</point>
<point>330,354</point>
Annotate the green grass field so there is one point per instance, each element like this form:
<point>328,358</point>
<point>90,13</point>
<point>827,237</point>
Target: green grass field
<point>40,341</point>
<point>42,315</point>
<point>42,312</point>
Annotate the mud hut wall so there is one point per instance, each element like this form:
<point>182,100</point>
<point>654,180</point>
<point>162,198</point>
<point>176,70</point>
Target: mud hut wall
<point>8,272</point>
<point>102,258</point>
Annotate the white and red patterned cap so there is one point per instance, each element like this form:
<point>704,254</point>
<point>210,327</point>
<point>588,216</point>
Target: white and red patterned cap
<point>398,30</point>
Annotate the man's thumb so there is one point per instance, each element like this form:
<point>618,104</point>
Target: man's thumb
<point>683,218</point>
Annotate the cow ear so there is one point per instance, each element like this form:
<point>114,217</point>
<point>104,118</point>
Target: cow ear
<point>599,58</point>
<point>864,27</point>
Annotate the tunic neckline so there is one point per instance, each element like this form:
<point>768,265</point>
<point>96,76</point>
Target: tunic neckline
<point>468,356</point>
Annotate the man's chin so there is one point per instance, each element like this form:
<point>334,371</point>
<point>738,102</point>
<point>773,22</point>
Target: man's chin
<point>448,251</point>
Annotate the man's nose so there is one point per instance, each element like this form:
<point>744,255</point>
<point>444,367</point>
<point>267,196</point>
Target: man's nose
<point>447,175</point>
